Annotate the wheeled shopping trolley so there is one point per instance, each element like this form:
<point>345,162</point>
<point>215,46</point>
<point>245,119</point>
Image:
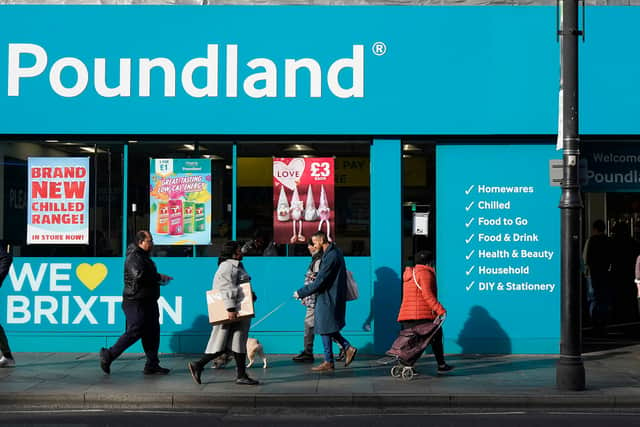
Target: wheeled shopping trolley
<point>409,346</point>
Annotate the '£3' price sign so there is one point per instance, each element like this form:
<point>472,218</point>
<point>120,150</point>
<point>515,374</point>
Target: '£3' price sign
<point>320,169</point>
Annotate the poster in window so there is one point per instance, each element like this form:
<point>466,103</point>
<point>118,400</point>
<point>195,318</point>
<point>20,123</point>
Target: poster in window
<point>180,201</point>
<point>303,193</point>
<point>58,202</point>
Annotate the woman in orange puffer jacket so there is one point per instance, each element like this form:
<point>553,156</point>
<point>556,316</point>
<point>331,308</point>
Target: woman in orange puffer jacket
<point>420,302</point>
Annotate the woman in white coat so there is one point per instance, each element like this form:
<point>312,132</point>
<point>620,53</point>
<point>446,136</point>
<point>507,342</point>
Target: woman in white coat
<point>230,336</point>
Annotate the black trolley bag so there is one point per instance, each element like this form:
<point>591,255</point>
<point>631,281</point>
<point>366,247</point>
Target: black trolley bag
<point>412,342</point>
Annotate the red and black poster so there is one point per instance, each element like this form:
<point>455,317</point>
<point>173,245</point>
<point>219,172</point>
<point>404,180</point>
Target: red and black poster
<point>303,198</point>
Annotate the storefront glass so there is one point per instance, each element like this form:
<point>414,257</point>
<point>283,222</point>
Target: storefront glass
<point>105,195</point>
<point>352,197</point>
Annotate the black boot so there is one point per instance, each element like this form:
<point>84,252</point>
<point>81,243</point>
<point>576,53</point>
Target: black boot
<point>304,357</point>
<point>196,371</point>
<point>241,370</point>
<point>105,360</point>
<point>196,368</point>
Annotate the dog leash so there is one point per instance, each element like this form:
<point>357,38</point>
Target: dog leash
<point>266,316</point>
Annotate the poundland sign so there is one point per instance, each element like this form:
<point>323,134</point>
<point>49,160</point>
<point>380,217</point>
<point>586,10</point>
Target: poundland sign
<point>32,61</point>
<point>237,70</point>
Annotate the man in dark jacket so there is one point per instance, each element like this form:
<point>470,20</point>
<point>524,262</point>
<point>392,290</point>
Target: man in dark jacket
<point>140,305</point>
<point>6,361</point>
<point>598,260</point>
<point>330,287</point>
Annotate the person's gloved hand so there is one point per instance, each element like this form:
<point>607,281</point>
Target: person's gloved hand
<point>295,295</point>
<point>442,317</point>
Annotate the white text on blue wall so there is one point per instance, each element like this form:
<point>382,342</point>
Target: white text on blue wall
<point>261,82</point>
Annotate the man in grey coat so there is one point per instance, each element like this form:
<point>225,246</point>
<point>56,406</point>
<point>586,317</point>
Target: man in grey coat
<point>330,287</point>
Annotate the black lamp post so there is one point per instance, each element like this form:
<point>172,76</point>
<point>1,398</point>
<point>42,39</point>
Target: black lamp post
<point>570,373</point>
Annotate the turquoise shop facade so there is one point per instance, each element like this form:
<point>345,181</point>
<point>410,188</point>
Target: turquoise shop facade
<point>480,81</point>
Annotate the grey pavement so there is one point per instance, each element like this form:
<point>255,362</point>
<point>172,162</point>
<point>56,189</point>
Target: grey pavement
<point>74,380</point>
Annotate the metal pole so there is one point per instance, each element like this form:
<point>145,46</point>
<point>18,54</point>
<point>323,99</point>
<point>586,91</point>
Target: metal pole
<point>570,369</point>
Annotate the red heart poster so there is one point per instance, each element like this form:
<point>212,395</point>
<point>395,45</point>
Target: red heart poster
<point>303,193</point>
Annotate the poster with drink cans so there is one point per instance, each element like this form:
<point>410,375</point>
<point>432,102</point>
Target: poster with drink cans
<point>303,194</point>
<point>180,201</point>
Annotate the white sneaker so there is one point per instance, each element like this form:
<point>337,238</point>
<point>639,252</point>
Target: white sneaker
<point>6,362</point>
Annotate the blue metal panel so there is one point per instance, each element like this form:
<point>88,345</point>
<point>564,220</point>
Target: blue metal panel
<point>495,211</point>
<point>417,70</point>
<point>609,69</point>
<point>495,67</point>
<point>386,250</point>
<point>47,301</point>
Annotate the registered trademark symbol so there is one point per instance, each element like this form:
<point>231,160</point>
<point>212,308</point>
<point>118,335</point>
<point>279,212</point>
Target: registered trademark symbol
<point>379,48</point>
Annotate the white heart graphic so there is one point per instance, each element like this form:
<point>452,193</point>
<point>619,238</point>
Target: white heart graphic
<point>288,175</point>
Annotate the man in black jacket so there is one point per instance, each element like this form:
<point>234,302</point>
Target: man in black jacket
<point>6,361</point>
<point>140,305</point>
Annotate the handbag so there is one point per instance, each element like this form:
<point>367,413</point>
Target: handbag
<point>352,287</point>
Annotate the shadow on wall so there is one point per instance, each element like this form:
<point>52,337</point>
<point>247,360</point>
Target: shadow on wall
<point>193,340</point>
<point>383,311</point>
<point>481,334</point>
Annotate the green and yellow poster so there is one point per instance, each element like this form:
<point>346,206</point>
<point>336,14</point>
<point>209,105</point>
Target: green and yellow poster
<point>180,201</point>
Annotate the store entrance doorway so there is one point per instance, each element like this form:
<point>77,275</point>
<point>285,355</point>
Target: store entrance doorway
<point>611,315</point>
<point>418,198</point>
<point>610,180</point>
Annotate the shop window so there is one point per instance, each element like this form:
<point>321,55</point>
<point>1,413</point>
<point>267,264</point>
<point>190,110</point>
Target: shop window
<point>218,199</point>
<point>255,196</point>
<point>105,196</point>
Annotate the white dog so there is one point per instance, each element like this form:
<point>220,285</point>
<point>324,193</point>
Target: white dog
<point>255,348</point>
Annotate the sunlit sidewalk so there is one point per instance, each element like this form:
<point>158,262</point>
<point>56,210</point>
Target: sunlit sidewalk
<point>74,380</point>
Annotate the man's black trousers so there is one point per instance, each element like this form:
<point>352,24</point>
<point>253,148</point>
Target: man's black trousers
<point>143,322</point>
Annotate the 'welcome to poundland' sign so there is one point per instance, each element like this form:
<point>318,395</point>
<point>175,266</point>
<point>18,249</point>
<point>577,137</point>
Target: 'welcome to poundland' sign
<point>610,167</point>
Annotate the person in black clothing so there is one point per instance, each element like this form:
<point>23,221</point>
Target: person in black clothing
<point>7,360</point>
<point>624,250</point>
<point>140,305</point>
<point>597,258</point>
